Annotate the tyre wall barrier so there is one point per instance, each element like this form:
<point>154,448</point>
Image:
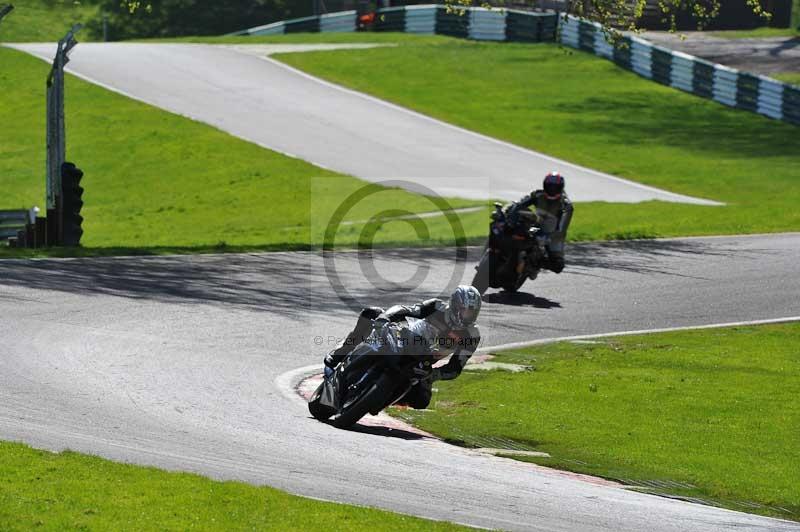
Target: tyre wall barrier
<point>728,86</point>
<point>475,23</point>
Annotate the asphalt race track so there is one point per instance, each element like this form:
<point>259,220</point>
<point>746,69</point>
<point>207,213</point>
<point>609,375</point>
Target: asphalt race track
<point>270,104</point>
<point>181,362</point>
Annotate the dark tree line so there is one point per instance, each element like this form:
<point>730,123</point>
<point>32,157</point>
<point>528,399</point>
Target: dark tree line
<point>176,18</point>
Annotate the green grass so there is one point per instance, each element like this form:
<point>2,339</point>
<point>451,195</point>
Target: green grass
<point>716,409</point>
<point>157,182</point>
<point>44,21</point>
<point>757,33</point>
<point>584,109</point>
<point>47,491</point>
<point>788,77</point>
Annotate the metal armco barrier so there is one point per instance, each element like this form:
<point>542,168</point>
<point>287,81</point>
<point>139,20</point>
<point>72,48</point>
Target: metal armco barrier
<point>727,86</point>
<point>475,23</point>
<point>5,9</point>
<point>56,135</point>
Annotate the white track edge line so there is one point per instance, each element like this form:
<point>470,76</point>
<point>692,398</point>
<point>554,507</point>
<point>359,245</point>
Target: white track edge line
<point>555,160</point>
<point>530,343</point>
<point>287,382</point>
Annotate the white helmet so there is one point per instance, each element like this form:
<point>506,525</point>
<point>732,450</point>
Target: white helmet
<point>465,304</point>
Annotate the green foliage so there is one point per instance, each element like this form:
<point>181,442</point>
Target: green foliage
<point>175,18</point>
<point>796,14</point>
<point>71,491</point>
<point>616,15</point>
<point>715,409</point>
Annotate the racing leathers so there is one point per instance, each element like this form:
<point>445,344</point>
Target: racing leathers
<point>554,216</point>
<point>443,340</point>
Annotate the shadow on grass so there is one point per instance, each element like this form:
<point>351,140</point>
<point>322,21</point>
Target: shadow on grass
<point>635,119</point>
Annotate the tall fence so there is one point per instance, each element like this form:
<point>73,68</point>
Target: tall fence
<point>758,94</point>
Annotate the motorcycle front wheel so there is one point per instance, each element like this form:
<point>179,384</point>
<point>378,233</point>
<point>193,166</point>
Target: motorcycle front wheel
<point>371,400</point>
<point>318,410</point>
<point>481,279</point>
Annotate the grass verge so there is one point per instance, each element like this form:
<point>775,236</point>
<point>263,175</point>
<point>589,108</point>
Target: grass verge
<point>710,414</point>
<point>788,77</point>
<point>44,21</point>
<point>157,182</point>
<point>758,33</point>
<point>584,109</point>
<point>48,491</point>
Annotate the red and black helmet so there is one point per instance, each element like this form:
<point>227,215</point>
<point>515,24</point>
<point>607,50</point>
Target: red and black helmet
<point>553,185</point>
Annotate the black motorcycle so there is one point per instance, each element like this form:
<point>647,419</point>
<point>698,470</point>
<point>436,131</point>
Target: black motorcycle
<point>375,375</point>
<point>514,251</point>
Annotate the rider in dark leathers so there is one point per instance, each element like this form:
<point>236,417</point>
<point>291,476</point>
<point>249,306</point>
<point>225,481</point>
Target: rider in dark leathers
<point>452,324</point>
<point>554,211</point>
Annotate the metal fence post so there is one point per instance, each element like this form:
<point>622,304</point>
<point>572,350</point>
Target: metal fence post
<point>56,137</point>
<point>5,9</point>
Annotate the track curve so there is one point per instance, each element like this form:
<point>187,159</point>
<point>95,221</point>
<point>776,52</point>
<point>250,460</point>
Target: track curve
<point>266,102</point>
<point>172,361</point>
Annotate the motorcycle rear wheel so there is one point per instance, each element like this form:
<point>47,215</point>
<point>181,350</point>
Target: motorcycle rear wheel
<point>516,285</point>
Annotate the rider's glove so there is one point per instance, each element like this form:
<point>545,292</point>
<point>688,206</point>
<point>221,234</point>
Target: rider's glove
<point>422,370</point>
<point>329,361</point>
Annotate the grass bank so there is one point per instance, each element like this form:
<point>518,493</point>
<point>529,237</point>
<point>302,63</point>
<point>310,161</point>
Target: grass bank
<point>711,414</point>
<point>758,33</point>
<point>584,109</point>
<point>157,182</point>
<point>47,491</point>
<point>44,21</point>
<point>788,77</point>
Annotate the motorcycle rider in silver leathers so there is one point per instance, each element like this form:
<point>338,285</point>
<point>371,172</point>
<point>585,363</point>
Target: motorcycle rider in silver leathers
<point>444,328</point>
<point>554,211</point>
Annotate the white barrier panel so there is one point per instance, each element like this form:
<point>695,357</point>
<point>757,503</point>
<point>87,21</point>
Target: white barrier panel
<point>487,25</point>
<point>338,22</point>
<point>725,88</point>
<point>570,35</point>
<point>276,28</point>
<point>682,72</point>
<point>602,47</point>
<point>641,58</point>
<point>770,98</point>
<point>421,19</point>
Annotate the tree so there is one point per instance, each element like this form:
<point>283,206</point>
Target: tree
<point>174,18</point>
<point>623,15</point>
<point>616,15</point>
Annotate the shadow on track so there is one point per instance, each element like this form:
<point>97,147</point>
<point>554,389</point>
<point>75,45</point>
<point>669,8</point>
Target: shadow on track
<point>520,299</point>
<point>297,284</point>
<point>384,432</point>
